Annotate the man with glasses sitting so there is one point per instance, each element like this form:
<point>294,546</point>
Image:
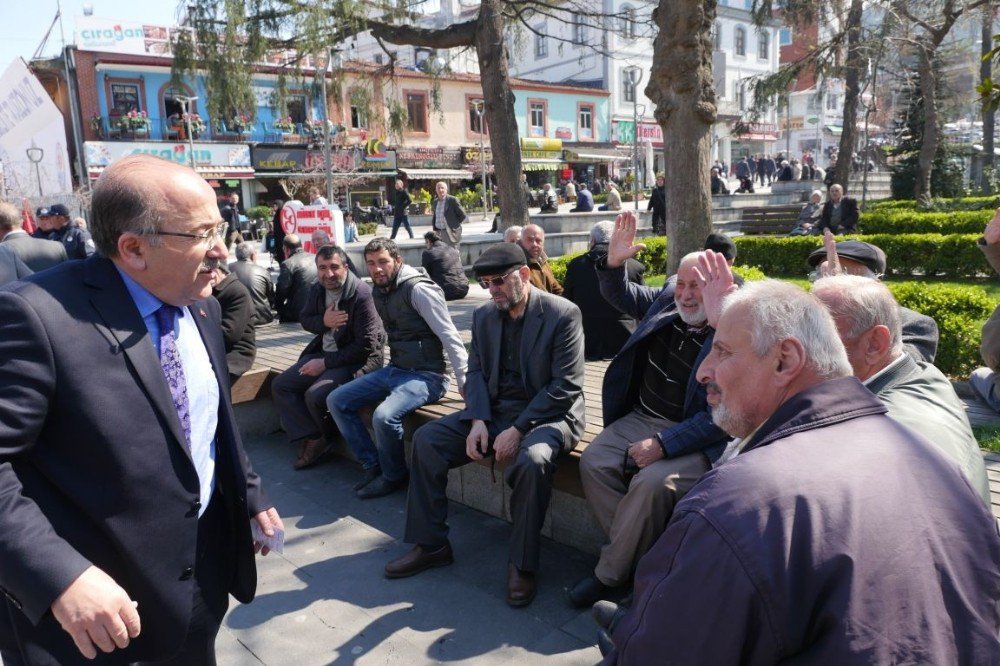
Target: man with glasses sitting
<point>524,404</point>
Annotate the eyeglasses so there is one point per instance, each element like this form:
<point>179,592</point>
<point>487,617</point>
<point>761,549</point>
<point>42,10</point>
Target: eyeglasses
<point>486,283</point>
<point>207,239</point>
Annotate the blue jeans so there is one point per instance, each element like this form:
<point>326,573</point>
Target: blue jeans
<point>400,392</point>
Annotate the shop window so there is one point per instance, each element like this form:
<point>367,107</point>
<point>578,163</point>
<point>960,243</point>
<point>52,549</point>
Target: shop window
<point>416,111</point>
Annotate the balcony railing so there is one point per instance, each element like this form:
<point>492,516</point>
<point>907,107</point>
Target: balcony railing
<point>116,128</point>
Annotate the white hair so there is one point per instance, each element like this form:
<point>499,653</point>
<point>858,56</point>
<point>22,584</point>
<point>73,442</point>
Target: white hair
<point>863,303</point>
<point>601,232</point>
<point>776,311</point>
<point>512,234</point>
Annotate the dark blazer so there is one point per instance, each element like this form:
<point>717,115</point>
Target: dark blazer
<point>39,254</point>
<point>551,365</point>
<point>237,324</point>
<point>93,469</point>
<point>920,335</point>
<point>443,264</point>
<point>655,308</point>
<point>258,282</point>
<point>297,274</point>
<point>848,216</point>
<point>454,218</point>
<point>605,328</point>
<point>11,266</point>
<point>360,342</point>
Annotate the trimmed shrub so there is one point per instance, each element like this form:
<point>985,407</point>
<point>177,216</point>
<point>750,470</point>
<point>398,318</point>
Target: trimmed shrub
<point>952,256</point>
<point>908,221</point>
<point>365,228</point>
<point>939,204</point>
<point>261,213</point>
<point>750,273</point>
<point>654,258</point>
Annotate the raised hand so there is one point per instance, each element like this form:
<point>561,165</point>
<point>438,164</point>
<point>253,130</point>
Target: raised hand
<point>715,280</point>
<point>831,266</point>
<point>621,247</point>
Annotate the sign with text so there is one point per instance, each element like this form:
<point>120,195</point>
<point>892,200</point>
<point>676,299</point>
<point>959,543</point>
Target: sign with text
<point>297,218</point>
<point>103,153</point>
<point>303,159</point>
<point>624,132</point>
<point>98,34</point>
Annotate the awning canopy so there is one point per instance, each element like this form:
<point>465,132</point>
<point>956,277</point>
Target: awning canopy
<point>207,172</point>
<point>544,164</point>
<point>597,155</point>
<point>322,174</point>
<point>437,174</point>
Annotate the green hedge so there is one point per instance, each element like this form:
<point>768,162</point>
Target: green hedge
<point>654,258</point>
<point>950,256</point>
<point>944,205</point>
<point>907,221</point>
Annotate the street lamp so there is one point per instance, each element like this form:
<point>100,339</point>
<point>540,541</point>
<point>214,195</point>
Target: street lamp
<point>479,106</point>
<point>634,74</point>
<point>333,57</point>
<point>35,154</point>
<point>185,109</point>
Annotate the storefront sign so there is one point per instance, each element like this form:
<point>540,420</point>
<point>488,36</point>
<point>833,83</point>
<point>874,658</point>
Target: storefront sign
<point>528,143</point>
<point>564,133</point>
<point>97,34</point>
<point>342,159</point>
<point>624,132</point>
<point>429,157</point>
<point>297,218</point>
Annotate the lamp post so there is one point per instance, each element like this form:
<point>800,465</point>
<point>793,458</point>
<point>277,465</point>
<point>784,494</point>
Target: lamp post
<point>634,77</point>
<point>478,106</point>
<point>35,154</point>
<point>333,58</point>
<point>186,110</point>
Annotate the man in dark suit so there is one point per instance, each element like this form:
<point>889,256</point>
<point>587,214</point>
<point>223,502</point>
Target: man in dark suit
<point>297,275</point>
<point>443,264</point>
<point>447,216</point>
<point>37,253</point>
<point>11,266</point>
<point>126,499</point>
<point>257,280</point>
<point>840,213</point>
<point>517,409</point>
<point>237,322</point>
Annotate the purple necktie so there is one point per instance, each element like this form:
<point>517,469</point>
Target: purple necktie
<point>170,360</point>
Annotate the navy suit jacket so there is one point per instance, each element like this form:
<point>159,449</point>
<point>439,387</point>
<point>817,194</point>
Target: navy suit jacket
<point>92,465</point>
<point>620,394</point>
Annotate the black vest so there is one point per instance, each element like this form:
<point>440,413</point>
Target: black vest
<point>412,343</point>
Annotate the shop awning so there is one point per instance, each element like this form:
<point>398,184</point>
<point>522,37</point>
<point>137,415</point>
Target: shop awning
<point>437,174</point>
<point>545,164</point>
<point>206,172</point>
<point>597,155</point>
<point>321,174</point>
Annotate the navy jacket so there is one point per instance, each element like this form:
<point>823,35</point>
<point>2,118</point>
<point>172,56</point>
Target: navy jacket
<point>620,393</point>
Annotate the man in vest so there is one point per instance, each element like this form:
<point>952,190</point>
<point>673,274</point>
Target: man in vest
<point>420,332</point>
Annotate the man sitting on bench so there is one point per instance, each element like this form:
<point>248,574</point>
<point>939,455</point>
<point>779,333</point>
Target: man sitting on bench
<point>659,437</point>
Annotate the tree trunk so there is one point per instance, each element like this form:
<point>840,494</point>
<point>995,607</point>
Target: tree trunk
<point>681,87</point>
<point>928,147</point>
<point>499,111</point>
<point>989,111</point>
<point>852,94</point>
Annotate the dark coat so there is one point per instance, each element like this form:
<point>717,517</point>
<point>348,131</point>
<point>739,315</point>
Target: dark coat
<point>359,341</point>
<point>400,202</point>
<point>658,204</point>
<point>37,253</point>
<point>920,335</point>
<point>655,308</point>
<point>605,329</point>
<point>258,282</point>
<point>76,241</point>
<point>848,216</point>
<point>838,536</point>
<point>93,465</point>
<point>584,202</point>
<point>443,264</point>
<point>297,275</point>
<point>237,324</point>
<point>454,218</point>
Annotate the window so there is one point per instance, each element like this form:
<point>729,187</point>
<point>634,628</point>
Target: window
<point>585,121</point>
<point>785,37</point>
<point>416,111</point>
<point>628,90</point>
<point>717,36</point>
<point>124,96</point>
<point>296,106</point>
<point>170,101</point>
<point>763,46</point>
<point>740,41</point>
<point>579,30</point>
<point>536,117</point>
<point>378,58</point>
<point>359,114</point>
<point>475,119</point>
<point>832,101</point>
<point>628,22</point>
<point>741,95</point>
<point>541,41</point>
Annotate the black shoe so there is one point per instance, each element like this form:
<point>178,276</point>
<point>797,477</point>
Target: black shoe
<point>419,559</point>
<point>588,591</point>
<point>368,475</point>
<point>380,487</point>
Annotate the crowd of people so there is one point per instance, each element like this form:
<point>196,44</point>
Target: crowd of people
<point>780,475</point>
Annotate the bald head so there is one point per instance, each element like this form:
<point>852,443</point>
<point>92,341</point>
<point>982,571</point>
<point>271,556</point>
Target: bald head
<point>533,241</point>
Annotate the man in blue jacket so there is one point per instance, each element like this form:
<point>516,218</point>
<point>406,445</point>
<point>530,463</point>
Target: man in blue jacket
<point>659,437</point>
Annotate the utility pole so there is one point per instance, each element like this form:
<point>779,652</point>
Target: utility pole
<point>479,106</point>
<point>635,76</point>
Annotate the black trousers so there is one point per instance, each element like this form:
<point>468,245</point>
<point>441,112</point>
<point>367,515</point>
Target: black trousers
<point>440,446</point>
<point>301,399</point>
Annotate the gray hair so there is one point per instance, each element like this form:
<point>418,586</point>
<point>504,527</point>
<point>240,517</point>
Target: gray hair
<point>816,193</point>
<point>10,217</point>
<point>863,303</point>
<point>122,204</point>
<point>601,232</point>
<point>244,251</point>
<point>512,234</point>
<point>776,311</point>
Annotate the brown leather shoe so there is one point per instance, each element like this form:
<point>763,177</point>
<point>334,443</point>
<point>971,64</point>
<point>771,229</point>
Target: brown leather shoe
<point>418,560</point>
<point>521,586</point>
<point>312,452</point>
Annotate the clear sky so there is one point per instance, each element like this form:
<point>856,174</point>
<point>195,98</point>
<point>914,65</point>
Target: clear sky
<point>24,22</point>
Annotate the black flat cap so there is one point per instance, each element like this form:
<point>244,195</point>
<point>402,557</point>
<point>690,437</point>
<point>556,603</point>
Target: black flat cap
<point>870,255</point>
<point>722,244</point>
<point>498,259</point>
<point>58,209</point>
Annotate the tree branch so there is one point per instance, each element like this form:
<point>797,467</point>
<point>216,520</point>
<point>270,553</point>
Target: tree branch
<point>457,34</point>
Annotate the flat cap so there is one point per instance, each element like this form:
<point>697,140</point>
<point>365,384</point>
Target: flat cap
<point>498,259</point>
<point>41,211</point>
<point>870,255</point>
<point>723,244</point>
<point>58,209</point>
